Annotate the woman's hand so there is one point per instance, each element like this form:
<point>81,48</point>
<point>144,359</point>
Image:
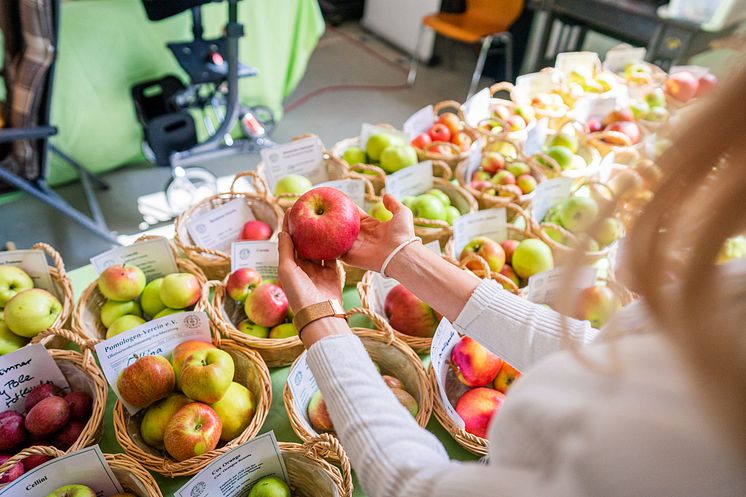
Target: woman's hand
<point>377,239</point>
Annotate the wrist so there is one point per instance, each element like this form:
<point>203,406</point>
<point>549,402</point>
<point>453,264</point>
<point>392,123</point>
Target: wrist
<point>404,259</point>
<point>322,328</point>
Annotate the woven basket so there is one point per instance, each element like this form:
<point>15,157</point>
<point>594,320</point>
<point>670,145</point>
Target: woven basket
<point>86,319</point>
<point>251,372</point>
<point>130,475</point>
<point>587,150</point>
<point>311,474</point>
<point>393,356</point>
<point>455,154</point>
<point>518,136</point>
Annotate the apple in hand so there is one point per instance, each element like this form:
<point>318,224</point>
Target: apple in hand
<point>12,430</point>
<point>206,375</point>
<point>398,157</point>
<point>121,283</point>
<point>48,416</point>
<point>477,407</point>
<point>255,230</point>
<point>324,224</point>
<point>13,280</point>
<point>486,248</point>
<point>474,365</point>
<point>505,378</point>
<point>241,282</point>
<point>153,424</point>
<point>125,323</point>
<point>532,256</point>
<point>73,491</point>
<point>150,299</point>
<point>9,341</point>
<point>32,311</point>
<point>318,414</point>
<point>408,314</point>
<point>235,409</point>
<point>267,305</point>
<point>597,304</point>
<point>15,471</point>
<point>253,329</point>
<point>192,431</point>
<point>292,184</point>
<point>147,380</point>
<point>180,290</point>
<point>284,330</point>
<point>113,310</point>
<point>270,486</point>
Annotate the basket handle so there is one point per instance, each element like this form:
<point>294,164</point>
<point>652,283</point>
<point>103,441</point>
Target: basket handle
<point>372,170</point>
<point>257,182</point>
<point>36,450</point>
<point>617,138</point>
<point>547,163</point>
<point>212,314</point>
<point>442,170</point>
<point>449,105</point>
<point>325,444</point>
<point>463,264</point>
<point>455,150</point>
<point>208,251</point>
<point>380,323</point>
<point>431,223</point>
<point>503,86</point>
<point>54,255</point>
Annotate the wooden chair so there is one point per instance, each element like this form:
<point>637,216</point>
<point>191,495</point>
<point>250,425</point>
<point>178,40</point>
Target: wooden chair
<point>483,21</point>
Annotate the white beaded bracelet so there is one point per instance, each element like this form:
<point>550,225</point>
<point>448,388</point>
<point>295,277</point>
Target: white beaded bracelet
<point>396,251</point>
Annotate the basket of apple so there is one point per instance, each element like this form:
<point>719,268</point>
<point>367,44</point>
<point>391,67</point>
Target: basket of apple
<point>26,311</point>
<point>568,153</point>
<point>620,128</point>
<point>642,76</point>
<point>507,120</point>
<point>400,368</point>
<point>583,81</point>
<point>267,222</point>
<point>310,471</point>
<point>684,87</point>
<point>448,139</point>
<point>195,405</point>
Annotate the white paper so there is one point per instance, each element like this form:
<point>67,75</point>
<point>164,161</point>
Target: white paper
<point>303,385</point>
<point>475,159</point>
<point>528,86</point>
<point>536,135</point>
<point>477,107</point>
<point>353,188</point>
<point>34,262</point>
<point>302,157</point>
<point>434,246</point>
<point>568,61</point>
<point>606,167</point>
<point>367,130</point>
<point>412,180</point>
<point>154,257</point>
<point>547,194</point>
<point>24,369</point>
<point>380,287</point>
<point>444,340</point>
<point>85,467</point>
<point>594,107</point>
<point>235,472</point>
<point>697,71</point>
<point>219,227</point>
<point>262,256</point>
<point>157,337</point>
<point>492,223</point>
<point>617,59</point>
<point>419,122</point>
<point>548,287</point>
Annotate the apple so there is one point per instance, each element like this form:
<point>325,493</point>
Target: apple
<point>9,341</point>
<point>253,329</point>
<point>408,201</point>
<point>318,414</point>
<point>182,351</point>
<point>156,417</point>
<point>270,486</point>
<point>481,185</point>
<point>235,409</point>
<point>508,272</point>
<point>503,178</point>
<point>610,230</point>
<point>492,162</point>
<point>486,248</point>
<point>13,280</point>
<point>392,382</point>
<point>39,393</point>
<point>706,84</point>
<point>510,191</point>
<point>408,314</point>
<point>429,207</point>
<point>566,140</point>
<point>355,155</point>
<point>631,129</point>
<point>474,365</point>
<point>518,168</point>
<point>509,247</point>
<point>516,123</point>
<point>451,121</point>
<point>292,184</point>
<point>441,195</point>
<point>81,405</point>
<point>452,214</point>
<point>15,471</point>
<point>167,312</point>
<point>477,407</point>
<point>149,379</point>
<point>192,431</point>
<point>640,109</point>
<point>113,310</point>
<point>241,282</point>
<point>48,416</point>
<point>73,491</point>
<point>68,435</point>
<point>577,214</point>
<point>421,141</point>
<point>34,460</point>
<point>440,133</point>
<point>505,378</point>
<point>180,290</point>
<point>31,311</point>
<point>398,157</point>
<point>267,305</point>
<point>378,142</point>
<point>597,304</point>
<point>462,141</point>
<point>121,282</point>
<point>380,212</point>
<point>562,155</point>
<point>12,430</point>
<point>656,98</point>
<point>530,257</point>
<point>526,183</point>
<point>682,86</point>
<point>150,299</point>
<point>206,375</point>
<point>125,323</point>
<point>624,114</point>
<point>284,330</point>
<point>255,230</point>
<point>406,400</point>
<point>594,125</point>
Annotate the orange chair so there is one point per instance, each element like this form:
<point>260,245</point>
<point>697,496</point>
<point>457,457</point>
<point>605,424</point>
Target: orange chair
<point>483,21</point>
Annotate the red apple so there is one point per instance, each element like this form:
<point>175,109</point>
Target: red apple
<point>508,247</point>
<point>508,272</point>
<point>440,150</point>
<point>324,224</point>
<point>32,461</point>
<point>47,416</point>
<point>12,431</point>
<point>480,185</point>
<point>597,304</point>
<point>408,314</point>
<point>39,393</point>
<point>121,283</point>
<point>463,141</point>
<point>492,162</point>
<point>255,230</point>
<point>503,178</point>
<point>682,86</point>
<point>474,365</point>
<point>631,129</point>
<point>594,125</point>
<point>68,435</point>
<point>148,379</point>
<point>81,405</point>
<point>13,473</point>
<point>182,351</point>
<point>267,305</point>
<point>241,282</point>
<point>487,249</point>
<point>707,83</point>
<point>206,375</point>
<point>505,378</point>
<point>451,121</point>
<point>516,123</point>
<point>318,414</point>
<point>477,407</point>
<point>421,141</point>
<point>440,133</point>
<point>192,431</point>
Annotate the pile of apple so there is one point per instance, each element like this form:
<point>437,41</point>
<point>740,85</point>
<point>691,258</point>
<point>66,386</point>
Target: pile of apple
<point>408,314</point>
<point>506,118</point>
<point>433,204</point>
<point>51,418</point>
<point>549,104</point>
<point>80,490</point>
<point>386,150</point>
<point>488,379</point>
<point>265,305</point>
<point>291,184</point>
<point>446,129</point>
<point>514,259</point>
<point>623,120</point>
<point>563,148</point>
<point>270,486</point>
<point>582,80</point>
<point>684,86</point>
<point>652,107</point>
<point>191,401</point>
<point>496,176</point>
<point>577,214</point>
<point>130,299</point>
<point>25,311</point>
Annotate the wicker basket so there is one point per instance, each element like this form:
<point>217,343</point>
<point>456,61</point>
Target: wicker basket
<point>455,154</point>
<point>311,475</point>
<point>518,136</point>
<point>86,319</point>
<point>586,149</point>
<point>130,475</point>
<point>393,356</point>
<point>251,372</point>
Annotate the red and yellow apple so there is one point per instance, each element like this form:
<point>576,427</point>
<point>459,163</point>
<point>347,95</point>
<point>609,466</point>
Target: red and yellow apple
<point>597,304</point>
<point>241,282</point>
<point>147,380</point>
<point>474,365</point>
<point>318,414</point>
<point>182,351</point>
<point>157,416</point>
<point>194,430</point>
<point>486,248</point>
<point>121,282</point>
<point>505,377</point>
<point>180,290</point>
<point>408,314</point>
<point>206,375</point>
<point>266,305</point>
<point>477,408</point>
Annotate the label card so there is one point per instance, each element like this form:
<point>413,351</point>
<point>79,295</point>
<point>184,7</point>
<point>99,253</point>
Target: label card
<point>235,472</point>
<point>262,256</point>
<point>157,337</point>
<point>86,467</point>
<point>444,340</point>
<point>302,157</point>
<point>492,223</point>
<point>536,135</point>
<point>546,287</point>
<point>475,158</point>
<point>434,246</point>
<point>34,262</point>
<point>419,122</point>
<point>380,286</point>
<point>24,369</point>
<point>528,86</point>
<point>367,130</point>
<point>477,107</point>
<point>569,61</point>
<point>618,58</point>
<point>697,71</point>
<point>155,258</point>
<point>547,194</point>
<point>412,180</point>
<point>303,385</point>
<point>217,228</point>
<point>353,188</point>
<point>594,107</point>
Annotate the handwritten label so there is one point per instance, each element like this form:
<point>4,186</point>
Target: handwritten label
<point>475,159</point>
<point>24,369</point>
<point>548,194</point>
<point>412,180</point>
<point>34,263</point>
<point>419,122</point>
<point>84,467</point>
<point>477,107</point>
<point>536,135</point>
<point>155,258</point>
<point>368,130</point>
<point>262,256</point>
<point>157,337</point>
<point>618,58</point>
<point>219,227</point>
<point>303,385</point>
<point>548,287</point>
<point>380,287</point>
<point>568,62</point>
<point>302,157</point>
<point>444,340</point>
<point>235,472</point>
<point>491,223</point>
<point>353,188</point>
<point>528,86</point>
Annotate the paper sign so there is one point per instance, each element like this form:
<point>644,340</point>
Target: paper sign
<point>568,62</point>
<point>477,107</point>
<point>419,122</point>
<point>157,337</point>
<point>547,194</point>
<point>536,135</point>
<point>85,467</point>
<point>353,188</point>
<point>34,262</point>
<point>444,340</point>
<point>24,369</point>
<point>380,286</point>
<point>303,385</point>
<point>302,157</point>
<point>367,130</point>
<point>697,71</point>
<point>475,158</point>
<point>217,228</point>
<point>618,58</point>
<point>594,107</point>
<point>547,287</point>
<point>434,246</point>
<point>262,256</point>
<point>530,85</point>
<point>235,472</point>
<point>155,258</point>
<point>491,223</point>
<point>412,180</point>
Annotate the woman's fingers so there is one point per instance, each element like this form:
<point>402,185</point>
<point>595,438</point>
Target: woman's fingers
<point>393,205</point>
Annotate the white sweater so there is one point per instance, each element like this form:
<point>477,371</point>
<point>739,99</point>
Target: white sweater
<point>564,430</point>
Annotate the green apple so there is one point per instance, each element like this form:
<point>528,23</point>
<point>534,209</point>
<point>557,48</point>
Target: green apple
<point>355,155</point>
<point>409,201</point>
<point>73,491</point>
<point>553,214</point>
<point>429,207</point>
<point>566,140</point>
<point>380,212</point>
<point>206,375</point>
<point>285,330</point>
<point>180,290</point>
<point>253,329</point>
<point>9,341</point>
<point>113,310</point>
<point>32,311</point>
<point>270,486</point>
<point>378,142</point>
<point>562,155</point>
<point>610,230</point>
<point>656,98</point>
<point>554,234</point>
<point>518,168</point>
<point>452,214</point>
<point>124,323</point>
<point>13,280</point>
<point>578,213</point>
<point>292,184</point>
<point>640,108</point>
<point>444,199</point>
<point>156,417</point>
<point>167,312</point>
<point>235,409</point>
<point>530,257</point>
<point>150,299</point>
<point>398,157</point>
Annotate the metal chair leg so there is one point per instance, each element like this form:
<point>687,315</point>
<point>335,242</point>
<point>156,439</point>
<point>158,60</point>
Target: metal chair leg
<point>477,75</point>
<point>414,60</point>
<point>507,40</point>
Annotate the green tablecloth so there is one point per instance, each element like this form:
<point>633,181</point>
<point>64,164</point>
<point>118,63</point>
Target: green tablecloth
<point>276,420</point>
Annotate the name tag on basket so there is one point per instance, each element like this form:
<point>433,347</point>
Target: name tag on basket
<point>547,194</point>
<point>34,263</point>
<point>419,122</point>
<point>550,286</point>
<point>219,227</point>
<point>353,188</point>
<point>262,256</point>
<point>303,385</point>
<point>491,223</point>
<point>303,157</point>
<point>155,258</point>
<point>444,340</point>
<point>412,180</point>
<point>23,370</point>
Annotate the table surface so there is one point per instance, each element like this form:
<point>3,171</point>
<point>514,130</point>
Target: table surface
<point>277,419</point>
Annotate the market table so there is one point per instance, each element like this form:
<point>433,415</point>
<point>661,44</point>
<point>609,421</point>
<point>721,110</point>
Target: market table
<point>277,419</point>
